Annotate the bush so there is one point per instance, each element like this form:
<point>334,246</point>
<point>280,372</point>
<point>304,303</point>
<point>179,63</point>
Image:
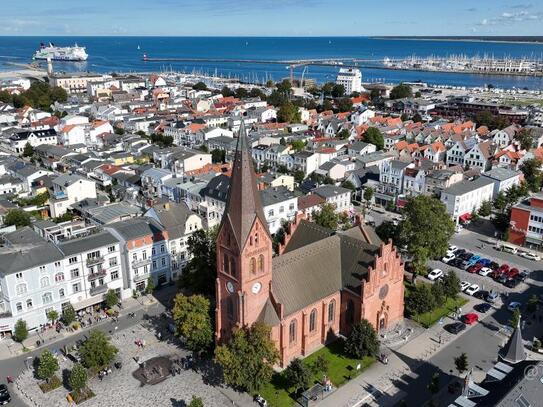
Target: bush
<point>68,315</point>
<point>21,331</point>
<point>112,299</point>
<point>47,365</point>
<point>78,378</point>
<point>96,351</point>
<point>362,341</point>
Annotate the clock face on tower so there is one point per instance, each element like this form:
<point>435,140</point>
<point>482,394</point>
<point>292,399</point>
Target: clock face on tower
<point>256,288</point>
<point>230,287</point>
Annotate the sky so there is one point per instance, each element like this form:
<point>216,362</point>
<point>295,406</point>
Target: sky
<point>271,17</point>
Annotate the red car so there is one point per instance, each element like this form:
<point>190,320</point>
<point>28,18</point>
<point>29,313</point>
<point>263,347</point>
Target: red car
<point>512,273</point>
<point>504,268</point>
<point>475,268</point>
<point>470,318</point>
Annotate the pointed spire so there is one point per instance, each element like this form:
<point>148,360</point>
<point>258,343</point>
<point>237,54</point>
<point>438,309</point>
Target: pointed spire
<point>243,205</point>
<point>513,351</point>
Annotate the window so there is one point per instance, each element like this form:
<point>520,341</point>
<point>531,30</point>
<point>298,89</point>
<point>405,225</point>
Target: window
<point>144,254</point>
<point>281,209</point>
<point>111,249</point>
<point>2,307</point>
<point>74,273</point>
<point>253,265</point>
<point>153,251</point>
<point>19,307</point>
<point>163,262</point>
<point>291,207</point>
<point>256,239</point>
<point>72,260</point>
<point>61,293</point>
<point>19,275</point>
<point>350,312</point>
<point>20,289</point>
<point>59,277</point>
<point>162,249</point>
<point>233,267</point>
<point>292,332</point>
<point>93,255</point>
<point>154,264</point>
<point>113,262</point>
<point>29,304</point>
<point>331,310</point>
<point>47,298</point>
<point>115,275</point>
<point>313,320</point>
<point>261,263</point>
<point>134,256</point>
<point>230,308</point>
<point>57,264</point>
<point>76,287</point>
<point>270,212</point>
<point>42,269</point>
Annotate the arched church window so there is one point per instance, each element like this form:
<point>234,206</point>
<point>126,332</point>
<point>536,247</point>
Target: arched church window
<point>256,239</point>
<point>233,270</point>
<point>230,308</point>
<point>313,320</point>
<point>331,310</point>
<point>225,263</point>
<point>261,263</point>
<point>292,332</point>
<point>253,265</point>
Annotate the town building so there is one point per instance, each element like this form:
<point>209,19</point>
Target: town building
<point>526,224</point>
<point>464,197</point>
<point>19,140</point>
<point>351,79</point>
<point>68,189</point>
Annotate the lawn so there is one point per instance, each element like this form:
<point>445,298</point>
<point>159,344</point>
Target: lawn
<point>430,318</point>
<point>340,368</point>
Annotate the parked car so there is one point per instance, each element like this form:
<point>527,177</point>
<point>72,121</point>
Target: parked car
<point>491,297</point>
<point>504,268</point>
<point>459,252</point>
<point>481,294</point>
<point>523,275</point>
<point>470,318</point>
<point>464,285</point>
<point>530,256</point>
<point>513,273</point>
<point>474,268</point>
<point>512,282</point>
<point>475,258</point>
<point>455,328</point>
<point>483,307</point>
<point>472,289</point>
<point>456,262</point>
<point>466,255</point>
<point>513,305</point>
<point>453,248</point>
<point>503,278</point>
<point>494,266</point>
<point>448,258</point>
<point>509,249</point>
<point>484,262</point>
<point>485,271</point>
<point>435,274</point>
<point>5,397</point>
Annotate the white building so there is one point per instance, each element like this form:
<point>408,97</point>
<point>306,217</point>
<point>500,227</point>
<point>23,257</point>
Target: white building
<point>68,189</point>
<point>280,205</point>
<point>19,140</point>
<point>503,179</point>
<point>464,197</point>
<point>338,196</point>
<point>351,79</point>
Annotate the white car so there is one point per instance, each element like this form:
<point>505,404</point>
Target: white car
<point>458,228</point>
<point>513,305</point>
<point>464,285</point>
<point>448,257</point>
<point>452,249</point>
<point>435,274</point>
<point>485,271</point>
<point>530,256</point>
<point>472,289</point>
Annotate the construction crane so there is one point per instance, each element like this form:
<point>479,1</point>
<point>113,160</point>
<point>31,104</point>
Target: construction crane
<point>292,66</point>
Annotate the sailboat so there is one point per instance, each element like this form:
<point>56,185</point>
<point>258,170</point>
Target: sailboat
<point>139,47</point>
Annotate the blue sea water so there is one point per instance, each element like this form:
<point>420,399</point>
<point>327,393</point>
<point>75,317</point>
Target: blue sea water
<point>121,54</point>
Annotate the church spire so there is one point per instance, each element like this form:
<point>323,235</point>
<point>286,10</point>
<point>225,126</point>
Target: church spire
<point>243,205</point>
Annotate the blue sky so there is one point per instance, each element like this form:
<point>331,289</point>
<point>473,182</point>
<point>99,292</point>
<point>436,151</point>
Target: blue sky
<point>271,17</point>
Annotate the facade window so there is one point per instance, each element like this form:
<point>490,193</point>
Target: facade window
<point>111,249</point>
<point>57,264</point>
<point>72,260</point>
<point>29,304</point>
<point>261,263</point>
<point>292,332</point>
<point>93,255</point>
<point>331,310</point>
<point>163,262</point>
<point>76,287</point>
<point>153,251</point>
<point>19,275</point>
<point>233,267</point>
<point>350,311</point>
<point>154,264</point>
<point>19,307</point>
<point>162,249</point>
<point>20,289</point>
<point>47,298</point>
<point>61,293</point>
<point>59,277</point>
<point>230,308</point>
<point>115,275</point>
<point>74,273</point>
<point>253,265</point>
<point>134,256</point>
<point>113,262</point>
<point>256,239</point>
<point>2,307</point>
<point>313,321</point>
<point>42,269</point>
<point>270,212</point>
<point>144,254</point>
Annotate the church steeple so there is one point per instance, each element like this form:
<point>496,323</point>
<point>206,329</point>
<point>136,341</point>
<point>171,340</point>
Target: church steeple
<point>243,204</point>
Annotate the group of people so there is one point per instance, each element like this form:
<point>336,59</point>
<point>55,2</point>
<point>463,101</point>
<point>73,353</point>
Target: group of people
<point>103,373</point>
<point>140,343</point>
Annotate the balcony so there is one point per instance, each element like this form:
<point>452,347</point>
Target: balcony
<point>99,289</point>
<point>141,263</point>
<point>141,277</point>
<point>58,195</point>
<point>94,260</point>
<point>97,274</point>
<point>6,314</point>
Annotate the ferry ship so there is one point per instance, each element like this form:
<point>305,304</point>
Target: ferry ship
<point>75,53</point>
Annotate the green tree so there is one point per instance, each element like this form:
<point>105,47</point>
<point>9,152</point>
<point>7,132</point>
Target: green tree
<point>375,137</point>
<point>20,331</point>
<point>52,315</point>
<point>485,118</point>
<point>368,194</point>
<point>343,134</point>
<point>532,174</point>
<point>474,216</point>
<point>196,402</point>
<point>328,88</point>
<point>344,104</point>
<point>433,386</point>
<point>269,83</point>
<point>515,318</point>
<point>297,145</point>
<point>451,284</point>
<point>426,228</point>
<point>418,94</point>
<point>327,216</point>
<point>17,217</point>
<point>277,98</point>
<point>200,273</point>
<point>500,202</point>
<point>247,361</point>
<point>388,230</point>
<point>68,314</point>
<point>485,209</point>
<point>362,341</point>
<point>192,319</point>
<point>28,151</point>
<point>47,365</point>
<point>5,96</point>
<point>320,365</point>
<point>118,130</point>
<point>199,86</point>
<point>218,155</point>
<point>298,375</point>
<point>438,292</point>
<point>417,118</point>
<point>242,93</point>
<point>348,185</point>
<point>284,86</point>
<point>525,138</point>
<point>532,304</point>
<point>150,287</point>
<point>226,91</point>
<point>327,105</point>
<point>111,299</point>
<point>299,176</point>
<point>96,351</point>
<point>401,91</point>
<point>338,91</point>
<point>257,93</point>
<point>461,363</point>
<point>374,94</point>
<point>78,378</point>
<point>288,113</point>
<point>420,300</point>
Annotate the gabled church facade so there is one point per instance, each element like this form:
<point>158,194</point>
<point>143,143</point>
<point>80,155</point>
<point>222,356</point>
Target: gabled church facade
<point>317,288</point>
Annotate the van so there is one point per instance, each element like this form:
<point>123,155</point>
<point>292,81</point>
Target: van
<point>509,249</point>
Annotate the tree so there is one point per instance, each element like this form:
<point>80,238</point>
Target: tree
<point>344,104</point>
<point>327,105</point>
<point>257,93</point>
<point>297,145</point>
<point>328,88</point>
<point>485,209</point>
<point>327,216</point>
<point>52,315</point>
<point>484,118</point>
<point>47,365</point>
<point>247,361</point>
<point>218,156</point>
<point>418,94</point>
<point>96,351</point>
<point>451,284</point>
<point>474,216</point>
<point>375,137</point>
<point>269,83</point>
<point>200,273</point>
<point>338,91</point>
<point>320,365</point>
<point>277,98</point>
<point>515,318</point>
<point>17,217</point>
<point>298,375</point>
<point>461,363</point>
<point>299,176</point>
<point>368,194</point>
<point>150,287</point>
<point>288,113</point>
<point>417,118</point>
<point>284,87</point>
<point>68,314</point>
<point>525,138</point>
<point>401,91</point>
<point>119,130</point>
<point>531,305</point>
<point>196,402</point>
<point>500,203</point>
<point>226,91</point>
<point>426,228</point>
<point>438,292</point>
<point>375,94</point>
<point>362,341</point>
<point>420,300</point>
<point>20,331</point>
<point>388,230</point>
<point>199,86</point>
<point>111,299</point>
<point>28,151</point>
<point>5,96</point>
<point>241,93</point>
<point>78,378</point>
<point>532,174</point>
<point>192,319</point>
<point>343,134</point>
<point>433,386</point>
<point>348,185</point>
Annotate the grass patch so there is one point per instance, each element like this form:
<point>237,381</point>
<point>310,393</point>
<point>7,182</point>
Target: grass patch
<point>340,369</point>
<point>430,318</point>
<point>52,384</point>
<point>82,395</point>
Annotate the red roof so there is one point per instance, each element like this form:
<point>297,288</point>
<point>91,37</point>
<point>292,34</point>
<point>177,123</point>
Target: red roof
<point>309,201</point>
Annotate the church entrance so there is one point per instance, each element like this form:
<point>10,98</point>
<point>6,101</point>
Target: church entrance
<point>381,321</point>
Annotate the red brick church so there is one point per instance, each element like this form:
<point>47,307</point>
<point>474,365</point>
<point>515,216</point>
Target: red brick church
<point>322,282</point>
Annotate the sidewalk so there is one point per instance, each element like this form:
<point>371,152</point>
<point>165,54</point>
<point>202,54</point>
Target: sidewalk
<point>376,386</point>
<point>9,348</point>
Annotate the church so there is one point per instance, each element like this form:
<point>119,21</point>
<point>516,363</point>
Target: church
<point>320,284</point>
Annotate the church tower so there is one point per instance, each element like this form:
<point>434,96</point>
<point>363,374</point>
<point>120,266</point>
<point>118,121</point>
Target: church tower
<point>244,249</point>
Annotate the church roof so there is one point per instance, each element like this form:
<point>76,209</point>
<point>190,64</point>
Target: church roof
<point>268,315</point>
<point>513,351</point>
<point>243,205</point>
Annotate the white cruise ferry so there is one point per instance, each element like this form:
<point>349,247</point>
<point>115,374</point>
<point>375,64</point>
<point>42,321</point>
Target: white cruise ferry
<point>75,53</point>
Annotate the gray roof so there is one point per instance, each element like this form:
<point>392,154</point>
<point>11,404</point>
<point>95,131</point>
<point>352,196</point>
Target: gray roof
<point>23,235</point>
<point>84,244</point>
<point>275,195</point>
<point>173,217</point>
<point>328,191</point>
<point>111,213</point>
<point>464,187</point>
<point>268,315</point>
<point>513,351</point>
<point>67,179</point>
<point>501,174</point>
<point>137,227</point>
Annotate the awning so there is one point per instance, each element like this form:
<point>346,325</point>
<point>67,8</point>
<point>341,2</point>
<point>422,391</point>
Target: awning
<point>400,202</point>
<point>88,302</point>
<point>465,217</point>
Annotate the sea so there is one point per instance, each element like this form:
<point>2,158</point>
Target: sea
<point>125,54</point>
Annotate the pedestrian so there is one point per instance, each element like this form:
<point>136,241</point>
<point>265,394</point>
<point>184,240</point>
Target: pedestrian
<point>9,379</point>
